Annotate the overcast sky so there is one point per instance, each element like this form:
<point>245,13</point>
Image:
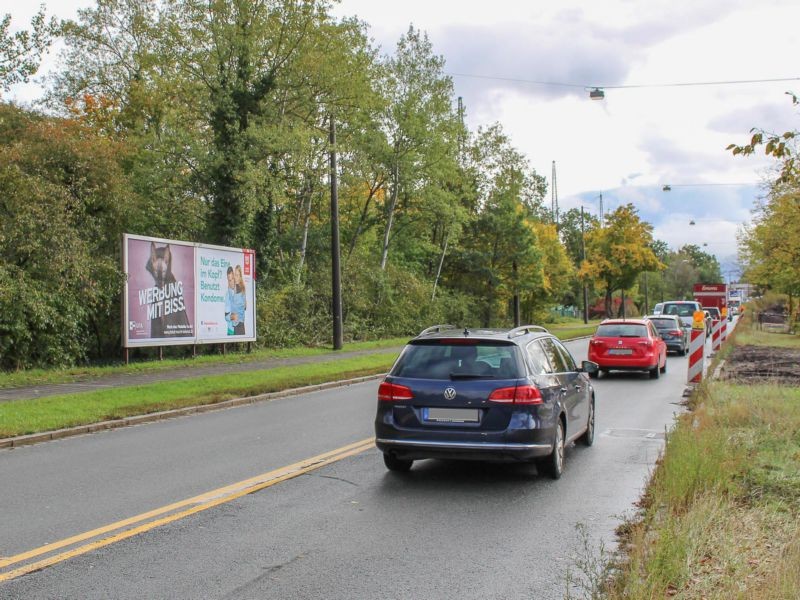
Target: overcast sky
<point>637,139</point>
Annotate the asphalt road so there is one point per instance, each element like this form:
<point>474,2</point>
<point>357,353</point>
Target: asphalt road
<point>348,529</point>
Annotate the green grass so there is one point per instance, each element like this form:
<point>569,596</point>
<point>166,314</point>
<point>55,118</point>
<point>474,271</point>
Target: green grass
<point>719,519</point>
<point>747,335</point>
<point>76,374</point>
<point>22,417</point>
<point>49,376</point>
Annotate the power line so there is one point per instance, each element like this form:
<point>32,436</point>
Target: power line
<point>620,87</point>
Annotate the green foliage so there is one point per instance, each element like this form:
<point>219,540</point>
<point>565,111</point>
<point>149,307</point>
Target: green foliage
<point>20,53</point>
<point>376,304</point>
<point>60,280</point>
<point>617,253</point>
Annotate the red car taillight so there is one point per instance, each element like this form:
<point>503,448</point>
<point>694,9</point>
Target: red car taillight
<point>520,394</point>
<point>676,333</point>
<point>392,392</point>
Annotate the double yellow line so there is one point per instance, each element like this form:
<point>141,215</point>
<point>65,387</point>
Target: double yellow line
<point>132,526</point>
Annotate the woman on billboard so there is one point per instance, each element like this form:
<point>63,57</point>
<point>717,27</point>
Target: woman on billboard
<point>239,302</point>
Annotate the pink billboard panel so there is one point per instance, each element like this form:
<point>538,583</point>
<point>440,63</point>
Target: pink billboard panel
<point>160,297</point>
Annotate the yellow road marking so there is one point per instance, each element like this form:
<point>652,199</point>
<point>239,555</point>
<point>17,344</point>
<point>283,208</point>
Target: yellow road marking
<point>197,504</point>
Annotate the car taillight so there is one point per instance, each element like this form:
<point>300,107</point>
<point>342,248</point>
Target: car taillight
<point>676,333</point>
<point>646,343</point>
<point>520,394</point>
<point>392,392</point>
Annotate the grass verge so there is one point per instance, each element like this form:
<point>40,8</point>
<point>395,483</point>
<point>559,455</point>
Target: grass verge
<point>22,417</point>
<point>719,518</point>
<point>75,374</point>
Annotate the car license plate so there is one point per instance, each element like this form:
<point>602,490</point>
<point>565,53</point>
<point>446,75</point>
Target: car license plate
<point>620,351</point>
<point>451,415</point>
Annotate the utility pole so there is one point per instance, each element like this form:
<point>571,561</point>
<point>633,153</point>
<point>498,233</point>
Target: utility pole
<point>646,297</point>
<point>585,290</point>
<point>554,197</point>
<point>602,218</point>
<point>336,272</point>
<point>516,296</point>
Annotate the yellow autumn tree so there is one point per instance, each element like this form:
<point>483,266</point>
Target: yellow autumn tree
<point>617,253</point>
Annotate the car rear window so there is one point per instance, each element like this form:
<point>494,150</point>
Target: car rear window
<point>680,310</point>
<point>665,323</point>
<point>622,330</point>
<point>443,360</point>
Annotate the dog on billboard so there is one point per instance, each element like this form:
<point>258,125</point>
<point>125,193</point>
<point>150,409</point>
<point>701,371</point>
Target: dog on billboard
<point>167,313</point>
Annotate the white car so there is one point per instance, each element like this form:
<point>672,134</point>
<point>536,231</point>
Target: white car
<point>684,309</point>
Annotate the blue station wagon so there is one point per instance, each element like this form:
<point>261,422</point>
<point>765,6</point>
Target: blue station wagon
<point>485,394</point>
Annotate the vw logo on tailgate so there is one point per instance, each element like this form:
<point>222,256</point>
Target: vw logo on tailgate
<point>449,393</point>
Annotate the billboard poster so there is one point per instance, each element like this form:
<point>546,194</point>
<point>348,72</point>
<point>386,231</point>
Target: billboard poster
<point>186,293</point>
<point>226,294</point>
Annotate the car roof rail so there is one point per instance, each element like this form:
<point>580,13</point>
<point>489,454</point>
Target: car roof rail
<point>526,329</point>
<point>436,329</point>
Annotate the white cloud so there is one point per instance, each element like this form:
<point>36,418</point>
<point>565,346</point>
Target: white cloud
<point>638,138</point>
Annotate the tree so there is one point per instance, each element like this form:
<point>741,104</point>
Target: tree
<point>420,125</point>
<point>618,252</point>
<point>500,257</point>
<point>781,146</point>
<point>770,248</point>
<point>20,53</point>
<point>707,265</point>
<point>64,203</point>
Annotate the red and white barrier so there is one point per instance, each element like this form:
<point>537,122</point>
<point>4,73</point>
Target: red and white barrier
<point>716,333</point>
<point>724,333</point>
<point>697,346</point>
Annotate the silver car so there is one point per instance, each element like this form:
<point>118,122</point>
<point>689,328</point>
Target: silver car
<point>673,331</point>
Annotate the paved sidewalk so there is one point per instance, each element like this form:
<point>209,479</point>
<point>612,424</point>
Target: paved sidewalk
<point>132,379</point>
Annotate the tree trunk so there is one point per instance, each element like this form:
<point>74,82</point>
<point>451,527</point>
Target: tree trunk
<point>389,219</point>
<point>362,220</point>
<point>304,238</point>
<point>609,304</point>
<point>441,262</point>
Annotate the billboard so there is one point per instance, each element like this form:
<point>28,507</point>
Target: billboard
<point>186,293</point>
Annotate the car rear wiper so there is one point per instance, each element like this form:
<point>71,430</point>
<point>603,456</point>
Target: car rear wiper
<point>470,376</point>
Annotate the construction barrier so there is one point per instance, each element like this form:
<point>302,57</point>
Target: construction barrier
<point>724,333</point>
<point>716,332</point>
<point>697,346</point>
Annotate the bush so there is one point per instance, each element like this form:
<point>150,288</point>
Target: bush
<point>375,304</point>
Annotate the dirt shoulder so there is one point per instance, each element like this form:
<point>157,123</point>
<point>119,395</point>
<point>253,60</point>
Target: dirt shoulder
<point>751,364</point>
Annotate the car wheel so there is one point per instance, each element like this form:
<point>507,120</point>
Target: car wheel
<point>396,464</point>
<point>655,372</point>
<point>593,375</point>
<point>664,368</point>
<point>587,439</point>
<point>553,464</point>
<point>602,373</point>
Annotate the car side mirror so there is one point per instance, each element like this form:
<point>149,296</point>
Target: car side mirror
<point>590,367</point>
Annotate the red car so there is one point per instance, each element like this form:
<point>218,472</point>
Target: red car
<point>628,345</point>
